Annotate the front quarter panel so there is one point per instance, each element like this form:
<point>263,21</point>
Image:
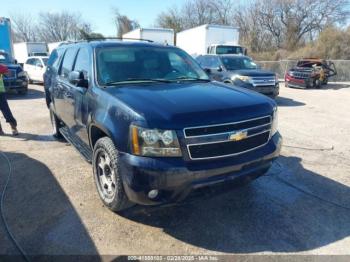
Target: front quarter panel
<point>112,117</point>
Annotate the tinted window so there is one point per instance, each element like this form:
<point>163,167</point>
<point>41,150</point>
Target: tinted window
<point>238,63</point>
<point>55,58</point>
<point>37,62</point>
<point>68,61</point>
<point>82,63</point>
<point>30,61</point>
<point>223,50</point>
<point>210,62</point>
<point>4,58</point>
<point>121,64</point>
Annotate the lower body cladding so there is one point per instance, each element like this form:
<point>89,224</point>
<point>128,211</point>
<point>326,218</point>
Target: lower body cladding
<point>16,85</point>
<point>152,181</point>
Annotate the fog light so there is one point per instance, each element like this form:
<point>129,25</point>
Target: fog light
<point>153,194</point>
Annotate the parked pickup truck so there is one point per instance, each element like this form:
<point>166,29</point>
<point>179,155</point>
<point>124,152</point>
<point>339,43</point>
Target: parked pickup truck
<point>16,79</point>
<point>240,71</point>
<point>152,123</point>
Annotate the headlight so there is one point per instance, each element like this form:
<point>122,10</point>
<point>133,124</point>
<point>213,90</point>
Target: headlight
<point>22,74</point>
<point>154,142</point>
<point>242,78</point>
<point>274,121</point>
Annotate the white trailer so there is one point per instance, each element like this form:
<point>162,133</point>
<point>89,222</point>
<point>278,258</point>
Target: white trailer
<point>26,49</point>
<point>214,39</point>
<point>159,35</point>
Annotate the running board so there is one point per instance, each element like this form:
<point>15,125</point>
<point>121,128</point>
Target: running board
<point>84,150</point>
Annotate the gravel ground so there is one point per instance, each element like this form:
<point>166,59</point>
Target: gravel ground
<point>302,206</point>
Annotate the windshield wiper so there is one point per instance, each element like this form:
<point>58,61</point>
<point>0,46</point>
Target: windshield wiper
<point>136,80</point>
<point>185,78</point>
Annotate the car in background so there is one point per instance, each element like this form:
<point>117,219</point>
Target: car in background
<point>152,123</point>
<point>16,79</point>
<point>310,73</point>
<point>35,67</point>
<point>240,71</point>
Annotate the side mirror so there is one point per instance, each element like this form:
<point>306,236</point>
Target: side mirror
<point>39,65</point>
<point>219,69</point>
<point>207,70</point>
<point>77,78</point>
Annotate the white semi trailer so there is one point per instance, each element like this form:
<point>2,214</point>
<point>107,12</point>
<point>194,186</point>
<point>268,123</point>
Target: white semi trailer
<point>158,35</point>
<point>27,49</point>
<point>210,39</point>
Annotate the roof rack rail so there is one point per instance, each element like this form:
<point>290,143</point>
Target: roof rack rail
<point>116,38</point>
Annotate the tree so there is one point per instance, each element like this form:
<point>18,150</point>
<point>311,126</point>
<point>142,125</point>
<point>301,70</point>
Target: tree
<point>63,26</point>
<point>171,19</point>
<point>24,28</point>
<point>290,21</point>
<point>123,23</point>
<point>197,12</point>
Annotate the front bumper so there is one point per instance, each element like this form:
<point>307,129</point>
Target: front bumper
<point>19,84</point>
<point>271,90</point>
<point>296,82</point>
<point>175,178</point>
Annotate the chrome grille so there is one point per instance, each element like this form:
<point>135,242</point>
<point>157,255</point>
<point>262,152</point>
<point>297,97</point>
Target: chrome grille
<point>301,75</point>
<point>215,141</point>
<point>263,80</point>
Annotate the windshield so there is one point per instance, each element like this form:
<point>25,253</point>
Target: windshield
<point>139,64</point>
<point>238,63</point>
<point>226,50</point>
<point>4,58</point>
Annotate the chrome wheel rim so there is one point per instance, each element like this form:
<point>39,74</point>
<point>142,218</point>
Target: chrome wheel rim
<point>105,176</point>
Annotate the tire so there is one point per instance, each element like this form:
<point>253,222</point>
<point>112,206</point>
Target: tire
<point>56,124</point>
<point>108,181</point>
<point>318,84</point>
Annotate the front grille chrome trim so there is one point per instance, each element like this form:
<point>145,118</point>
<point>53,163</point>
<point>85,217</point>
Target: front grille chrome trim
<point>230,123</point>
<point>224,141</point>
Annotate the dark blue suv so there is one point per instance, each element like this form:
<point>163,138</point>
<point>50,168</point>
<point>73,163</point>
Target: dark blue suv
<point>152,123</point>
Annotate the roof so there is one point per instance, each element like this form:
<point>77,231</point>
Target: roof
<point>228,55</point>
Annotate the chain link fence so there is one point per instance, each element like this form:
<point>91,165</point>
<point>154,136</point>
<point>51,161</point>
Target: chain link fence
<point>280,67</point>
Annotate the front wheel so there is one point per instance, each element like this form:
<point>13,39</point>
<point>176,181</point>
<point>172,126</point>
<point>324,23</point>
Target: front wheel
<point>107,176</point>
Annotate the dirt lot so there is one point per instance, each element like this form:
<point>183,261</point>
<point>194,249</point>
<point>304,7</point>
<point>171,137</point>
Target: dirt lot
<point>301,206</point>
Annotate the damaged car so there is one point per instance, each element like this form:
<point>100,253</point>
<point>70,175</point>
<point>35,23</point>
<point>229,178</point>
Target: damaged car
<point>310,73</point>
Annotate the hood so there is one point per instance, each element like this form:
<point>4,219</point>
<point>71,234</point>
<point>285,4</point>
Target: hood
<point>253,72</point>
<point>179,105</point>
<point>14,67</point>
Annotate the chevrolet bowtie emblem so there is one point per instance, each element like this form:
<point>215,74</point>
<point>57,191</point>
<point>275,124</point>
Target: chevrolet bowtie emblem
<point>239,135</point>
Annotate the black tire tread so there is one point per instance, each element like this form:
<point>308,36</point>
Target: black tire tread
<point>120,201</point>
